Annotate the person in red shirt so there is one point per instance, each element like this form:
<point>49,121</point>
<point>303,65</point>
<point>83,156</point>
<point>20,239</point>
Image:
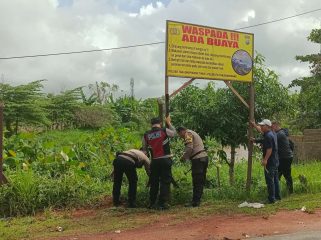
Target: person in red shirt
<point>156,141</point>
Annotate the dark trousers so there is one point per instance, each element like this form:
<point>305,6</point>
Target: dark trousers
<point>199,169</point>
<point>272,182</point>
<point>285,170</point>
<point>121,166</point>
<point>160,180</point>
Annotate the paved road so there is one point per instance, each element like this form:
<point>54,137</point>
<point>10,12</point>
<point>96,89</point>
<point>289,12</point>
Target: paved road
<point>315,235</point>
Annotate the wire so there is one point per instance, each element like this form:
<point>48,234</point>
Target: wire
<point>280,19</point>
<point>145,44</point>
<point>84,51</point>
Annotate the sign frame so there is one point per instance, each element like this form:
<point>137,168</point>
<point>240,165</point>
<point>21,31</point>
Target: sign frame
<point>203,26</point>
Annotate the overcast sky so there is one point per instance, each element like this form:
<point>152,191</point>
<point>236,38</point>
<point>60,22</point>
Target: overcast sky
<point>30,27</point>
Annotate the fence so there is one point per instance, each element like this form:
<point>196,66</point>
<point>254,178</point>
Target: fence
<point>307,146</point>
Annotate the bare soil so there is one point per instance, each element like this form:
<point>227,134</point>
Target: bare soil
<point>214,227</point>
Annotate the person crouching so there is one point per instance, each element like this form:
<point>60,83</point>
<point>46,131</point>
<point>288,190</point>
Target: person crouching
<point>127,162</point>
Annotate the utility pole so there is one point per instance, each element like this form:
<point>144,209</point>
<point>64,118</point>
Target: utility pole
<point>132,83</point>
<point>3,179</point>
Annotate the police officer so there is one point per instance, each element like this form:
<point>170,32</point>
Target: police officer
<point>194,150</point>
<point>156,141</point>
<point>127,162</point>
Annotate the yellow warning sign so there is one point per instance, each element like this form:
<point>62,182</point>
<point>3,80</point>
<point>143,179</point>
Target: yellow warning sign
<point>202,52</point>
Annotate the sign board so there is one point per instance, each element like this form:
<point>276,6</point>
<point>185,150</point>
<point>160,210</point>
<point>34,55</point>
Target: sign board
<point>194,51</point>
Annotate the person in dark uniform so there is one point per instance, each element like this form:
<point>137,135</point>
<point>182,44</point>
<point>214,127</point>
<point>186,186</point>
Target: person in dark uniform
<point>194,151</point>
<point>285,155</point>
<point>156,141</point>
<point>127,162</point>
<point>270,160</point>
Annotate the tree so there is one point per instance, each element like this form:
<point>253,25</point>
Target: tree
<point>61,108</point>
<point>24,104</point>
<point>103,92</point>
<point>309,98</point>
<point>135,112</point>
<point>95,116</point>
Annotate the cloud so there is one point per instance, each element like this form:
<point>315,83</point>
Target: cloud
<point>61,26</point>
<point>150,9</point>
<point>249,14</point>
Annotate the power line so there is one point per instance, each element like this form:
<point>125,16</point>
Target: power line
<point>280,19</point>
<point>83,51</point>
<point>146,44</point>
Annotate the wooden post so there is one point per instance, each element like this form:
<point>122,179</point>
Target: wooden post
<point>3,179</point>
<point>250,135</point>
<point>166,97</point>
<point>161,110</point>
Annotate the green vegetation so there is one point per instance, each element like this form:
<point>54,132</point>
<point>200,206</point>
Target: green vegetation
<point>308,108</point>
<point>46,172</point>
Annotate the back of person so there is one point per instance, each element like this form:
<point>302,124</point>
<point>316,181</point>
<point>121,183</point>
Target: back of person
<point>197,144</point>
<point>284,148</point>
<point>270,141</point>
<point>157,142</point>
<point>126,163</point>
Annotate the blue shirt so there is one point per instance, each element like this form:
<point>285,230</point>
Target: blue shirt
<point>270,141</point>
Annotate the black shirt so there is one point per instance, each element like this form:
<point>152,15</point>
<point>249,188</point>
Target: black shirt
<point>284,149</point>
<point>270,141</point>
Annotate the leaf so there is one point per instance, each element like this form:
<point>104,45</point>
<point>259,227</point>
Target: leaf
<point>64,156</point>
<point>11,162</point>
<point>82,165</point>
<point>25,166</point>
<point>12,153</point>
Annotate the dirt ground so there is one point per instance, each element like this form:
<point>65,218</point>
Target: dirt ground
<point>216,227</point>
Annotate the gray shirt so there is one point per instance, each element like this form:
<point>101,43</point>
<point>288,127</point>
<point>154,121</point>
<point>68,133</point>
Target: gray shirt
<point>142,159</point>
<point>194,147</point>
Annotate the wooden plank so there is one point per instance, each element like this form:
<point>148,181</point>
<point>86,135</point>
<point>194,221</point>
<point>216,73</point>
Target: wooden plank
<point>182,87</point>
<point>228,83</point>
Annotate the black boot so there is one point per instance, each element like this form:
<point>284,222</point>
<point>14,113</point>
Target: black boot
<point>192,204</point>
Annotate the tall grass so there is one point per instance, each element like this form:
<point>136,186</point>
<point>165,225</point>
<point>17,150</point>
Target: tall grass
<point>29,192</point>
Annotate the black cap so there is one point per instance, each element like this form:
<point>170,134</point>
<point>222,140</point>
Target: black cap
<point>155,120</point>
<point>181,128</point>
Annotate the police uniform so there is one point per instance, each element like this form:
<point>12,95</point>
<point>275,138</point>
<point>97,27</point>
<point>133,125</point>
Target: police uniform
<point>157,142</point>
<point>127,162</point>
<point>194,150</point>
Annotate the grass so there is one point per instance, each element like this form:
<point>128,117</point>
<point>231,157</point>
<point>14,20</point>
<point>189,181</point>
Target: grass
<point>110,219</point>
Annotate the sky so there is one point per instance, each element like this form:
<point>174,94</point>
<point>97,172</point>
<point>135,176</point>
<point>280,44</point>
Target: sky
<point>29,27</point>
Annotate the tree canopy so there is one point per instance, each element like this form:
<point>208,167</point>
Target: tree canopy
<point>309,98</point>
